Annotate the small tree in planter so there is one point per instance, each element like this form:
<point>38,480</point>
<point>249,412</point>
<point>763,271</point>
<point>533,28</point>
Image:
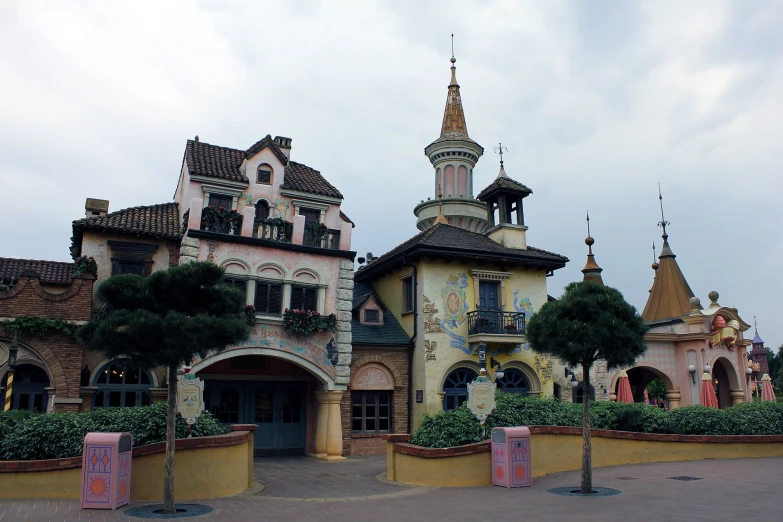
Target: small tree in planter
<point>589,322</point>
<point>167,319</point>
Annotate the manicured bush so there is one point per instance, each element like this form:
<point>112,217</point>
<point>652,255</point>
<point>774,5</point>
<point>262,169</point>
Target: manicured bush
<point>458,427</point>
<point>60,435</point>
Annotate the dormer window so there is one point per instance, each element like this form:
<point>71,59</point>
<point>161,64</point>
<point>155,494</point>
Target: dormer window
<point>264,174</point>
<point>371,316</point>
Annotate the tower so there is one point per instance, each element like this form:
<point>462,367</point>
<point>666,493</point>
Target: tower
<point>453,156</point>
<point>758,353</point>
<point>591,271</point>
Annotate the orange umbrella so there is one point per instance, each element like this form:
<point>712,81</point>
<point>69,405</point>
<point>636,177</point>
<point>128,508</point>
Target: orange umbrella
<point>767,393</point>
<point>708,397</point>
<point>624,388</point>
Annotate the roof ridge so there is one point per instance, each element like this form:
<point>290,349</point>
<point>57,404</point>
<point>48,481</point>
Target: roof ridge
<point>108,214</point>
<point>35,260</point>
<point>218,146</point>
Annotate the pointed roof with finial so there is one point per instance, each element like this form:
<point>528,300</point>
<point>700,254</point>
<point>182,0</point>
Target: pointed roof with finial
<point>441,218</point>
<point>503,183</point>
<point>670,294</point>
<point>591,271</point>
<point>756,337</point>
<point>453,117</point>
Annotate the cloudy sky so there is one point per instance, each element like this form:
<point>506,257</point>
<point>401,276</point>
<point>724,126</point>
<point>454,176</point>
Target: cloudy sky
<point>597,102</point>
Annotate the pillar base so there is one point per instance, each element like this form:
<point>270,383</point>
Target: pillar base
<point>333,458</point>
<point>317,455</point>
<point>674,399</point>
<point>737,397</point>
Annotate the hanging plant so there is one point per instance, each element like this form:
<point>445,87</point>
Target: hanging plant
<point>301,322</point>
<point>318,231</point>
<point>250,315</point>
<point>185,220</point>
<point>85,265</point>
<point>328,322</point>
<point>222,220</point>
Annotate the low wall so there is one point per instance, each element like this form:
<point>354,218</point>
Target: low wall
<point>204,467</point>
<point>559,448</point>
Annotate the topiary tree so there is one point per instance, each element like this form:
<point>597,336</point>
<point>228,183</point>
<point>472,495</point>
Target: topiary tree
<point>589,322</point>
<point>167,319</point>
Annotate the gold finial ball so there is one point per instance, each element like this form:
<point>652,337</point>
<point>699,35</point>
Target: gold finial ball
<point>655,266</point>
<point>589,241</point>
<point>453,60</point>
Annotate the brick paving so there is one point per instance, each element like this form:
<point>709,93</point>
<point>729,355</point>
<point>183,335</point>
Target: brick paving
<point>728,490</point>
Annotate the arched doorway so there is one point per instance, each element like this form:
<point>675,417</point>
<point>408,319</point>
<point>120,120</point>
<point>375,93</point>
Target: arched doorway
<point>578,393</point>
<point>640,378</point>
<point>29,388</point>
<point>121,385</point>
<point>455,387</point>
<point>723,380</point>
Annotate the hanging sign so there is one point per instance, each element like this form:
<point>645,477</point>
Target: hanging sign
<point>190,391</point>
<point>481,398</point>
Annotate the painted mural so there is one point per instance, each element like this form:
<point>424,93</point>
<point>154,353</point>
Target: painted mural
<point>455,306</point>
<point>431,321</point>
<point>243,201</point>
<point>280,208</point>
<point>429,350</point>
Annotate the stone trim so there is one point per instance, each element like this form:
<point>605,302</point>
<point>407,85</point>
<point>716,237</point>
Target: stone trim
<point>188,250</point>
<point>35,285</point>
<point>344,316</point>
<point>379,359</point>
<point>217,441</point>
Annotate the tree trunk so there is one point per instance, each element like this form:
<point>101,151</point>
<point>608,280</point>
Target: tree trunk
<point>171,436</point>
<point>587,447</point>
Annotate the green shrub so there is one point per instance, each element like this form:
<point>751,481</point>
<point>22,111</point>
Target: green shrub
<point>458,427</point>
<point>60,435</point>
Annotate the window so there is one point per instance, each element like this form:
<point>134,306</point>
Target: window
<point>371,411</point>
<point>407,295</point>
<point>513,381</point>
<point>312,218</point>
<point>371,316</point>
<point>264,174</point>
<point>456,387</point>
<point>130,267</point>
<point>29,388</point>
<point>122,385</point>
<point>228,409</point>
<point>262,210</point>
<point>304,298</point>
<point>241,284</point>
<point>269,298</point>
<point>220,201</point>
<point>578,394</point>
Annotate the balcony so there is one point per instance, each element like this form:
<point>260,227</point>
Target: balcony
<point>221,220</point>
<point>317,235</point>
<point>274,229</point>
<point>496,322</point>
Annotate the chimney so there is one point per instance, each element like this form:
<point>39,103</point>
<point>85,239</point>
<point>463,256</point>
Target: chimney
<point>96,207</point>
<point>284,144</point>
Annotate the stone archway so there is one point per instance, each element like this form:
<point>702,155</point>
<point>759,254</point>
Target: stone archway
<point>725,382</point>
<point>641,376</point>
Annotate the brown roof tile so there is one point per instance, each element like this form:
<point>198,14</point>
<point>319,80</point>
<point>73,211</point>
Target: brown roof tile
<point>154,220</point>
<point>214,161</point>
<point>306,179</point>
<point>50,272</point>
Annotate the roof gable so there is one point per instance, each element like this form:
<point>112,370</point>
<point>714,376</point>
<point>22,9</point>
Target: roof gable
<point>264,143</point>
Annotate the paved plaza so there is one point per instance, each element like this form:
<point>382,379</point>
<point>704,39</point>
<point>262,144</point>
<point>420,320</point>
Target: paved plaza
<point>303,489</point>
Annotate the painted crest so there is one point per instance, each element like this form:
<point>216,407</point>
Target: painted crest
<point>481,398</point>
<point>190,391</point>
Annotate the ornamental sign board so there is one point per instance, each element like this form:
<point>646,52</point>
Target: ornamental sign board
<point>190,391</point>
<point>481,398</point>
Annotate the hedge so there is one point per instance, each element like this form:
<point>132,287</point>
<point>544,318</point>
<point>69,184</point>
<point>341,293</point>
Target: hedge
<point>25,436</point>
<point>458,427</point>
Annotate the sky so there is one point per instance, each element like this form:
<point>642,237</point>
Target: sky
<point>597,102</point>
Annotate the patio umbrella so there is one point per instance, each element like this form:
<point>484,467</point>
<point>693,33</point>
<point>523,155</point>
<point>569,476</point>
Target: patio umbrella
<point>708,397</point>
<point>624,388</point>
<point>767,393</point>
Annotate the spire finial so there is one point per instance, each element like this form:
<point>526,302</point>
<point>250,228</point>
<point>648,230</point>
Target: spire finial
<point>441,218</point>
<point>662,223</point>
<point>500,149</point>
<point>453,60</point>
<point>655,264</point>
<point>591,270</point>
<point>589,241</point>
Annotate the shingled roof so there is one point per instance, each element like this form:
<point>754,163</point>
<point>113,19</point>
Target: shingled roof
<point>154,220</point>
<point>505,184</point>
<point>448,241</point>
<point>390,333</point>
<point>214,161</point>
<point>50,272</point>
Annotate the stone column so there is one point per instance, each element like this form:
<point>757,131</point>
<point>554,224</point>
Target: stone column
<point>674,399</point>
<point>320,425</point>
<point>334,427</point>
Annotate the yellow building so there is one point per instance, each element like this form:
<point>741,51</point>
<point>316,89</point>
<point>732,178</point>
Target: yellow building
<point>467,278</point>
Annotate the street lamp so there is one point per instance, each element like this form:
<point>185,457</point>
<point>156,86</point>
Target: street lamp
<point>499,373</point>
<point>13,351</point>
<point>707,368</point>
<point>692,371</point>
<point>573,383</point>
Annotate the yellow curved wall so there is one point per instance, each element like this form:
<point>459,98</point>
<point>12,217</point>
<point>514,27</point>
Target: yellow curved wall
<point>198,473</point>
<point>554,453</point>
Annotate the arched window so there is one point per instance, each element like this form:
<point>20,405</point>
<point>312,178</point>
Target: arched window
<point>579,394</point>
<point>120,384</point>
<point>455,387</point>
<point>29,388</point>
<point>262,213</point>
<point>264,174</point>
<point>513,381</point>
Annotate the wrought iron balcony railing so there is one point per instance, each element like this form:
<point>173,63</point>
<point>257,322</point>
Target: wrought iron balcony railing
<point>496,322</point>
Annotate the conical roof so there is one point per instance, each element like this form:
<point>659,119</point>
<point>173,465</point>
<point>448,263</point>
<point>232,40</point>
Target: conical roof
<point>756,338</point>
<point>670,293</point>
<point>591,271</point>
<point>453,116</point>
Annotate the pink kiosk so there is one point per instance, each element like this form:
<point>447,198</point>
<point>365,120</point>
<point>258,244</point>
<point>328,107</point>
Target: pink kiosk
<point>511,457</point>
<point>106,470</point>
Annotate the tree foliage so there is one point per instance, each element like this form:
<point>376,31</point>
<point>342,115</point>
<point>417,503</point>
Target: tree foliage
<point>168,318</point>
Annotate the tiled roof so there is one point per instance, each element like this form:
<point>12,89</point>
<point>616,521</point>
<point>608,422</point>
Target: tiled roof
<point>388,334</point>
<point>50,272</point>
<point>305,179</point>
<point>670,294</point>
<point>452,241</point>
<point>214,161</point>
<point>154,220</point>
<point>504,183</point>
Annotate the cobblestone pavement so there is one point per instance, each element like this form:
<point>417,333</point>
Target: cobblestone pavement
<point>726,490</point>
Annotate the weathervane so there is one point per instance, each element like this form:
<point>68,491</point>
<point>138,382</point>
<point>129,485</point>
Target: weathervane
<point>654,251</point>
<point>500,149</point>
<point>588,222</point>
<point>662,223</point>
<point>452,49</point>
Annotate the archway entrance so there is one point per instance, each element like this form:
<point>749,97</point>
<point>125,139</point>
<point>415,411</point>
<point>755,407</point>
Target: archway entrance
<point>721,383</point>
<point>275,395</point>
<point>640,378</point>
<point>29,388</point>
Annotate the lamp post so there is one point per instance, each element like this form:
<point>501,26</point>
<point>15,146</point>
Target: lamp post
<point>692,371</point>
<point>573,383</point>
<point>499,373</point>
<point>13,351</point>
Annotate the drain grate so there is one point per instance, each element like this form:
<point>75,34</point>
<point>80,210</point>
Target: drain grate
<point>627,478</point>
<point>685,478</point>
<point>575,491</point>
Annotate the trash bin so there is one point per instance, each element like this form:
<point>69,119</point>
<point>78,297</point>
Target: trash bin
<point>106,470</point>
<point>511,457</point>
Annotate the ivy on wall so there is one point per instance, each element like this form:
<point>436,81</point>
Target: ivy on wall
<point>39,326</point>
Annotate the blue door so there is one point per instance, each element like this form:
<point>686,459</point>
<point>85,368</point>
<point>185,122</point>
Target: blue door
<point>489,320</point>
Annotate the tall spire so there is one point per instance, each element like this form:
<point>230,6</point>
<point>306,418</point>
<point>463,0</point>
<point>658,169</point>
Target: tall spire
<point>453,116</point>
<point>670,294</point>
<point>591,271</point>
<point>756,338</point>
